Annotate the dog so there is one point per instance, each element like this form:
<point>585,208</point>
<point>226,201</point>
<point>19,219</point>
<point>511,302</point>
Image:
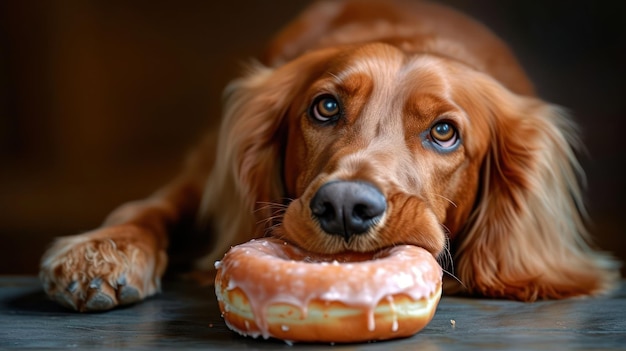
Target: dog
<point>368,124</point>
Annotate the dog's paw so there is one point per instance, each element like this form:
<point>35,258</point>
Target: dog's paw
<point>102,269</point>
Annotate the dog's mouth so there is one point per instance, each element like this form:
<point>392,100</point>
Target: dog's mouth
<point>297,253</point>
<point>334,250</point>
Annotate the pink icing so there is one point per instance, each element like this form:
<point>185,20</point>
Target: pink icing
<point>282,273</point>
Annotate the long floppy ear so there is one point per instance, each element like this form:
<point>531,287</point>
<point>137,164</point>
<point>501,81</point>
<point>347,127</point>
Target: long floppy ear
<point>527,238</point>
<point>247,171</point>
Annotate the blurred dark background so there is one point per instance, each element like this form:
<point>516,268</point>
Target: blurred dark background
<point>99,100</point>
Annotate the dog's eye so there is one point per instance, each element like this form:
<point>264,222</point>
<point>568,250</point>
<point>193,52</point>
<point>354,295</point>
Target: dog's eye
<point>325,108</point>
<point>444,134</point>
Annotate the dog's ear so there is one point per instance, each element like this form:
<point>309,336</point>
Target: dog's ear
<point>246,175</point>
<point>526,237</point>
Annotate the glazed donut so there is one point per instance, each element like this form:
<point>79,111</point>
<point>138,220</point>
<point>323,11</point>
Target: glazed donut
<point>269,288</point>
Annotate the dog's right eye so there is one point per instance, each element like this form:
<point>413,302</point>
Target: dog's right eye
<point>325,108</point>
<point>444,135</point>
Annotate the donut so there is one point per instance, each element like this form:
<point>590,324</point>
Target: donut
<point>270,288</point>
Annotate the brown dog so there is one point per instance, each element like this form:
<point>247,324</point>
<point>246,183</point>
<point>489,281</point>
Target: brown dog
<point>369,124</point>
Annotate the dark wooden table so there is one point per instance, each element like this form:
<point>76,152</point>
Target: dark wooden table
<point>185,317</point>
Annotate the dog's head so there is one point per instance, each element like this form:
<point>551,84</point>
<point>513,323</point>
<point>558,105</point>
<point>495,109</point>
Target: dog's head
<point>379,152</point>
<point>372,147</point>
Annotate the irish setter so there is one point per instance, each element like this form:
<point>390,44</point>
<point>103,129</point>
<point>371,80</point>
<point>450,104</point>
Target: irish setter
<point>368,124</point>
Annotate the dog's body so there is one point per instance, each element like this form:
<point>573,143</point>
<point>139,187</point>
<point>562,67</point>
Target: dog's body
<point>371,124</point>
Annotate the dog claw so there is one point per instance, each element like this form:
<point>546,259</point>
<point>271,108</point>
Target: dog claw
<point>101,298</point>
<point>96,283</point>
<point>121,280</point>
<point>72,287</point>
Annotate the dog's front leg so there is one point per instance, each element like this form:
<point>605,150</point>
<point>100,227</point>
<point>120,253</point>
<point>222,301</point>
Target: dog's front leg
<point>123,261</point>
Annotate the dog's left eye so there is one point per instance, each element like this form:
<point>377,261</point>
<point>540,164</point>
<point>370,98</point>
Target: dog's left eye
<point>325,108</point>
<point>444,135</point>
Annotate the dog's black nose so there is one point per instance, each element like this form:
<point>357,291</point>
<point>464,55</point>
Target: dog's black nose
<point>347,208</point>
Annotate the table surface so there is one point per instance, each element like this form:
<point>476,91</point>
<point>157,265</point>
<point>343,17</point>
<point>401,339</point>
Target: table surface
<point>186,317</point>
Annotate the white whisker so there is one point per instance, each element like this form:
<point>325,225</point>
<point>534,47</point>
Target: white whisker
<point>275,211</point>
<point>445,258</point>
<point>455,278</point>
<point>445,198</point>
